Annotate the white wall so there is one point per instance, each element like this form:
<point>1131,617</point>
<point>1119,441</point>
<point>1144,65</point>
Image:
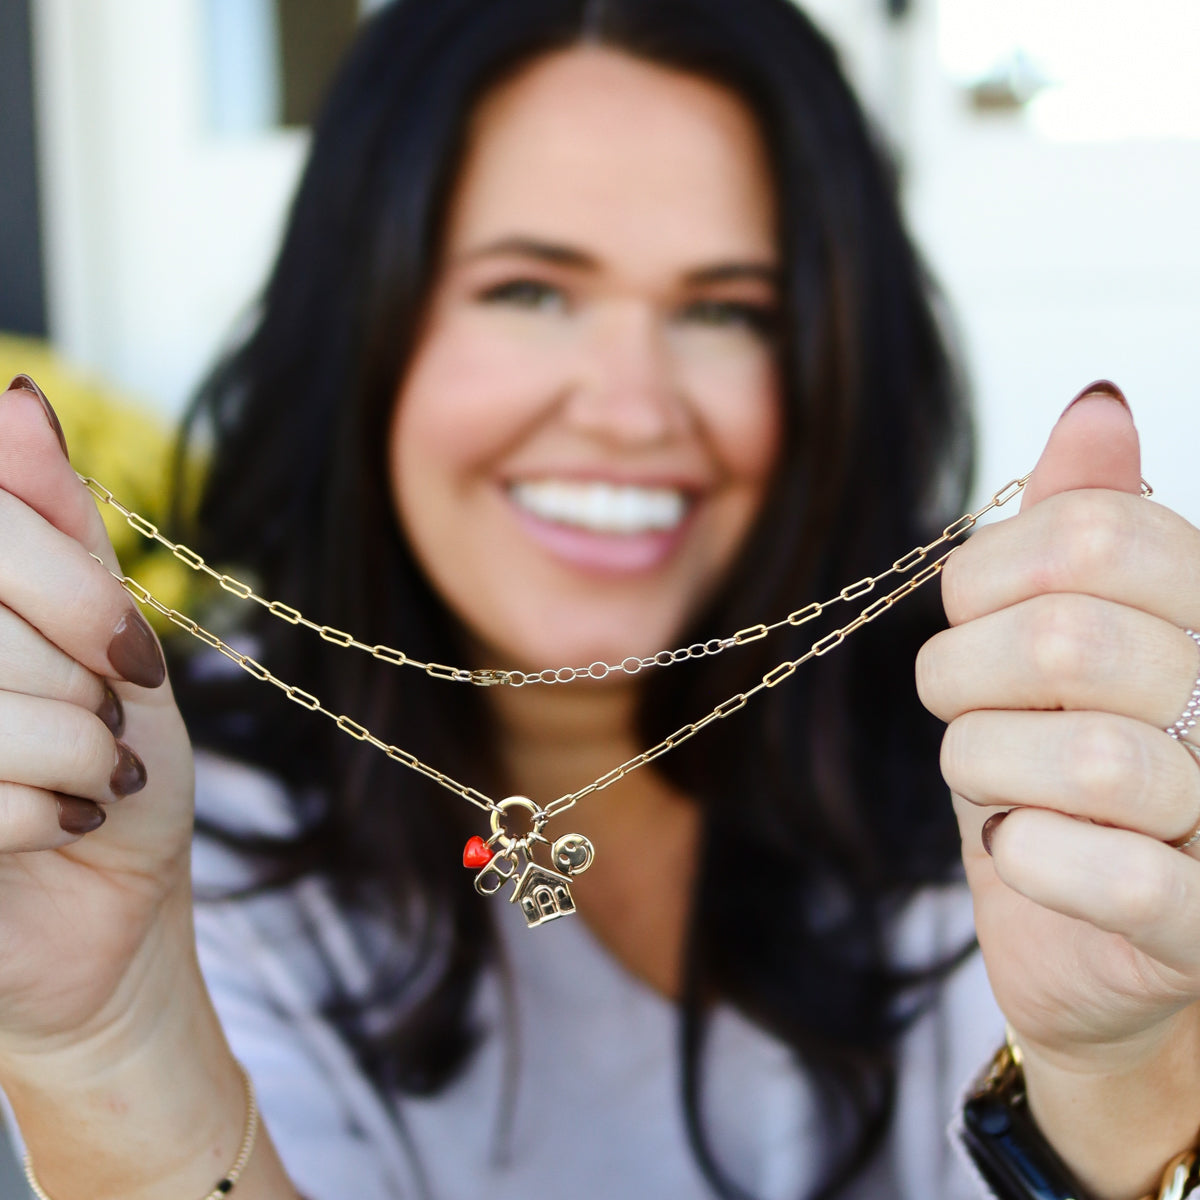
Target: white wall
<point>1063,262</point>
<point>157,233</point>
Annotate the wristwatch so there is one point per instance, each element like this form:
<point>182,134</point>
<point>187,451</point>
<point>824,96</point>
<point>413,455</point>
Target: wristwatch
<point>1004,1142</point>
<point>1013,1156</point>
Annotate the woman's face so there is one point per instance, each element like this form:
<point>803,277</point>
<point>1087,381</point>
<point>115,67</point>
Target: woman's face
<point>592,413</point>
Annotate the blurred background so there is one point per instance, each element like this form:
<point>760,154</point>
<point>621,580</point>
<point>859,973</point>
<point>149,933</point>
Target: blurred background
<point>1050,156</point>
<point>1050,153</point>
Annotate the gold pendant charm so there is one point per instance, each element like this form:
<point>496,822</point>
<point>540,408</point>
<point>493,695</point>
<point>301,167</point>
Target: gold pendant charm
<point>572,854</point>
<point>499,870</point>
<point>544,894</point>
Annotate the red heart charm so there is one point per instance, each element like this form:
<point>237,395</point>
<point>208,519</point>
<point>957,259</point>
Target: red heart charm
<point>477,853</point>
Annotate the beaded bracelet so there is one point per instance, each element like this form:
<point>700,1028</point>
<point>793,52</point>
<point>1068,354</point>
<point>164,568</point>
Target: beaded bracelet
<point>1015,1159</point>
<point>226,1183</point>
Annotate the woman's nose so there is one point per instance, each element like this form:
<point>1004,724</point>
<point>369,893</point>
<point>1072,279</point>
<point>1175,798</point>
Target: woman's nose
<point>627,388</point>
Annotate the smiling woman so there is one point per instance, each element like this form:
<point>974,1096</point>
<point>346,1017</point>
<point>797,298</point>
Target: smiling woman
<point>588,426</point>
<point>630,311</point>
<point>595,332</point>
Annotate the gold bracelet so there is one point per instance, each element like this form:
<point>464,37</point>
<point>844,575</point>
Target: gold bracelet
<point>226,1183</point>
<point>1180,1179</point>
<point>1181,1176</point>
<point>1012,1153</point>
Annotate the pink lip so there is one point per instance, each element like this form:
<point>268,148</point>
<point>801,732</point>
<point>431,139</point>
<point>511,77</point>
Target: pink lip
<point>602,553</point>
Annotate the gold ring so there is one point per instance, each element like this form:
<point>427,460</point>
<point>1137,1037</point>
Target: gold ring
<point>1189,839</point>
<point>501,838</point>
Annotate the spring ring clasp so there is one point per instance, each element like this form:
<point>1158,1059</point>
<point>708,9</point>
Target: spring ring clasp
<point>500,836</point>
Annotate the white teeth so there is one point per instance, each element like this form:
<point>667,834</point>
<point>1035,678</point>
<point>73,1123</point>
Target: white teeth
<point>602,507</point>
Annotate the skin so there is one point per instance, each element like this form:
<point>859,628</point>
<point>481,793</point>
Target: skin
<point>1065,659</point>
<point>106,1030</point>
<point>608,268</point>
<point>592,319</point>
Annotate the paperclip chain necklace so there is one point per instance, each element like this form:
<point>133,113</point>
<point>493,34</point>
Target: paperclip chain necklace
<point>544,893</point>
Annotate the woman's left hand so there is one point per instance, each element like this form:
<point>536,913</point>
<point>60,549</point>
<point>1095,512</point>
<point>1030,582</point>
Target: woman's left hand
<point>1066,661</point>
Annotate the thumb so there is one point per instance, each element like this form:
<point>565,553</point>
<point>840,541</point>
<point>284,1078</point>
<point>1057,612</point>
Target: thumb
<point>35,468</point>
<point>1094,445</point>
<point>51,531</point>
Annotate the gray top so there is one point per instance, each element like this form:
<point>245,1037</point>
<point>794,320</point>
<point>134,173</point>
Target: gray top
<point>586,1096</point>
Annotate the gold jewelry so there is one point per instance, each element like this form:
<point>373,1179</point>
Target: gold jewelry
<point>228,1181</point>
<point>1013,1155</point>
<point>1180,1179</point>
<point>543,894</point>
<point>1188,840</point>
<point>489,676</point>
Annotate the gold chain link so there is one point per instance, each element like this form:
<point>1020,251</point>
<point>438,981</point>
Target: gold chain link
<point>297,695</point>
<point>726,708</point>
<point>489,676</point>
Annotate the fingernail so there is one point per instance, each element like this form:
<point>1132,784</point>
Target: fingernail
<point>989,829</point>
<point>79,816</point>
<point>129,775</point>
<point>134,651</point>
<point>24,382</point>
<point>1102,387</point>
<point>112,712</point>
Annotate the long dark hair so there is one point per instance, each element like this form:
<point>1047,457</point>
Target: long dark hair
<point>827,785</point>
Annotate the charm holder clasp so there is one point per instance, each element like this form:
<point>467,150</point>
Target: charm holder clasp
<point>500,836</point>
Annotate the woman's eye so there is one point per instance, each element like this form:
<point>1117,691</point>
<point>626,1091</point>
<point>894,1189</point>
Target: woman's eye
<point>760,319</point>
<point>526,293</point>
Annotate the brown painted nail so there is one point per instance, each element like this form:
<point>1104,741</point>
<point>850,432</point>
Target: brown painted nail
<point>79,816</point>
<point>134,651</point>
<point>1102,387</point>
<point>27,384</point>
<point>129,775</point>
<point>989,829</point>
<point>112,712</point>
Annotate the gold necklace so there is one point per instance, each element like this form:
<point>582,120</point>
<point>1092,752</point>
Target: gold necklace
<point>544,892</point>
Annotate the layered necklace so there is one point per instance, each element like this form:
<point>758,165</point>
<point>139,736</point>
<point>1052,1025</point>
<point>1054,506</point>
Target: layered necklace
<point>542,890</point>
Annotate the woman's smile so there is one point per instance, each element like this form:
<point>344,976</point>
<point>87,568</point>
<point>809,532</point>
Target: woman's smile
<point>602,525</point>
<point>602,506</point>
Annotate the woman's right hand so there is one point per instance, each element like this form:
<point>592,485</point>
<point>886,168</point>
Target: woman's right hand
<point>110,1051</point>
<point>95,764</point>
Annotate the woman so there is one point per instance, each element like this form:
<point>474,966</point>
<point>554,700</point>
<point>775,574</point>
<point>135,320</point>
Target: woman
<point>595,333</point>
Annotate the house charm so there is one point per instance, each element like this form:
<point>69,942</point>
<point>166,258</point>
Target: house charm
<point>542,892</point>
<point>543,895</point>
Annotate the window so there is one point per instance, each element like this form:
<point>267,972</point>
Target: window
<point>268,62</point>
<point>1079,70</point>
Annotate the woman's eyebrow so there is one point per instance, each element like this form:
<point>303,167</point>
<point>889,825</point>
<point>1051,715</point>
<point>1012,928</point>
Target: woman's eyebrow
<point>563,255</point>
<point>732,272</point>
<point>528,247</point>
